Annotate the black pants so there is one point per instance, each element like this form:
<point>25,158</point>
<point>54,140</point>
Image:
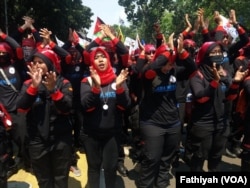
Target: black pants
<point>51,163</point>
<point>208,143</point>
<point>3,157</point>
<point>77,121</point>
<point>101,153</point>
<point>160,147</point>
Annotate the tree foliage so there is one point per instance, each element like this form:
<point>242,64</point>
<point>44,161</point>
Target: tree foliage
<point>171,13</point>
<point>144,13</point>
<point>59,15</point>
<point>56,15</point>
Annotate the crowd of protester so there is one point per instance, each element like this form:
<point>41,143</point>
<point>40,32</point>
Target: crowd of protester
<point>177,96</point>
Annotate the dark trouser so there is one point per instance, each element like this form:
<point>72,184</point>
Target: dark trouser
<point>101,153</point>
<point>77,120</point>
<point>182,113</point>
<point>3,157</point>
<point>208,143</point>
<point>77,117</point>
<point>51,163</point>
<point>158,152</point>
<point>188,153</point>
<point>3,174</point>
<point>245,155</point>
<point>245,161</point>
<point>23,139</point>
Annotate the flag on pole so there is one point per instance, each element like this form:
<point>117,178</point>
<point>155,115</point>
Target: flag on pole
<point>97,29</point>
<point>121,21</point>
<point>229,28</point>
<point>80,40</point>
<point>59,42</point>
<point>97,24</point>
<point>131,43</point>
<point>120,34</point>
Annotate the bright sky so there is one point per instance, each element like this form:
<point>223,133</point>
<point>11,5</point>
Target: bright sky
<point>108,10</point>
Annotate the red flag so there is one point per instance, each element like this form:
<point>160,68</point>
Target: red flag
<point>76,37</point>
<point>97,24</point>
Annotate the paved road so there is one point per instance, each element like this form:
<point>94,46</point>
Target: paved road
<point>228,164</point>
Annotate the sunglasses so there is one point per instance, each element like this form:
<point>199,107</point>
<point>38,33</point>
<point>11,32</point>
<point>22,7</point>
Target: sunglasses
<point>150,52</point>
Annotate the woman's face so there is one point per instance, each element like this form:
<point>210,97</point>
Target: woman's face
<point>27,50</point>
<point>216,51</point>
<point>150,55</point>
<point>40,64</point>
<point>101,61</point>
<point>3,57</point>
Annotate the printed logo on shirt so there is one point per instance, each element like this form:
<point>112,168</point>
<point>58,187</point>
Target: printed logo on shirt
<point>12,81</point>
<point>113,86</point>
<point>12,70</point>
<point>172,79</point>
<point>77,68</point>
<point>165,88</point>
<point>110,94</point>
<point>223,87</point>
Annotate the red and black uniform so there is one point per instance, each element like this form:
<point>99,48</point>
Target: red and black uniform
<point>49,128</point>
<point>119,54</point>
<point>160,124</point>
<point>208,127</point>
<point>11,71</point>
<point>5,126</point>
<point>119,57</point>
<point>103,124</point>
<point>245,155</point>
<point>75,71</point>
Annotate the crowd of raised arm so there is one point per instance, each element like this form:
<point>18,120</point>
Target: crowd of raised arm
<point>58,100</point>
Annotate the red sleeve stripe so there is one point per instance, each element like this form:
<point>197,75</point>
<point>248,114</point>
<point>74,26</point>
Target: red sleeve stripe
<point>214,84</point>
<point>31,90</point>
<point>120,107</point>
<point>203,99</point>
<point>120,90</point>
<point>90,109</point>
<point>57,95</point>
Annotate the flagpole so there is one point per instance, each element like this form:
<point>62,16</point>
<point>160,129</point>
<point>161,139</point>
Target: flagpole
<point>6,16</point>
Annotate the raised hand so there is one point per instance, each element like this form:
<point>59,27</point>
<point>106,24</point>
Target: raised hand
<point>50,80</point>
<point>232,17</point>
<point>216,73</point>
<point>35,74</point>
<point>180,44</point>
<point>95,77</point>
<point>170,41</point>
<point>240,75</point>
<point>121,78</point>
<point>28,21</point>
<point>45,34</point>
<point>189,25</point>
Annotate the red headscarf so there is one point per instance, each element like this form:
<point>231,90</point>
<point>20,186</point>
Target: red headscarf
<point>106,76</point>
<point>5,47</point>
<point>165,50</point>
<point>50,58</point>
<point>204,50</point>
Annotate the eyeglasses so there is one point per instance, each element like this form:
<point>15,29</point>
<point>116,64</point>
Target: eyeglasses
<point>150,52</point>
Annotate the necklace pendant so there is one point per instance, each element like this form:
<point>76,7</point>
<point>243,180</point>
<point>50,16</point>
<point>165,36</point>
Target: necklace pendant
<point>105,107</point>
